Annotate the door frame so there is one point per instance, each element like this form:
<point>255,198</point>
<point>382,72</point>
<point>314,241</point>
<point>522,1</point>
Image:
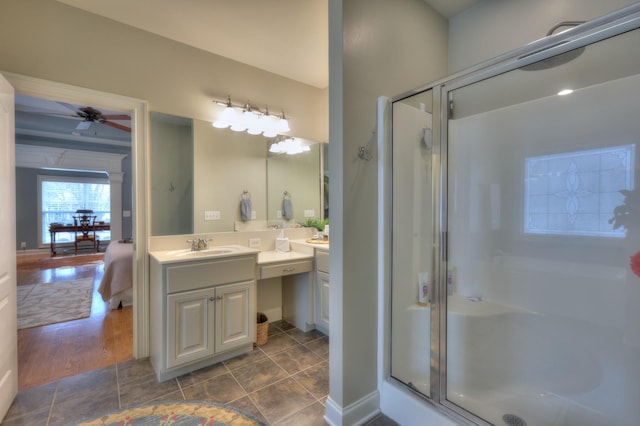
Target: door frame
<point>46,89</point>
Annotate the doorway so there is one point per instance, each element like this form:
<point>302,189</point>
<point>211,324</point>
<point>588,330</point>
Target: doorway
<point>138,110</point>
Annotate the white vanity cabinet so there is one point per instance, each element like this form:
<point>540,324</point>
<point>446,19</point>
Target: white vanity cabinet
<point>322,291</point>
<point>202,312</point>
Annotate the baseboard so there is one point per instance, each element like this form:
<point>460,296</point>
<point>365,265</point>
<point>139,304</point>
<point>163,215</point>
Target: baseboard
<point>358,413</point>
<point>273,314</point>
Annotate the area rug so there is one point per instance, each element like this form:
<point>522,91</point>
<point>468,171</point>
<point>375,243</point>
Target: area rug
<point>175,413</point>
<point>49,303</point>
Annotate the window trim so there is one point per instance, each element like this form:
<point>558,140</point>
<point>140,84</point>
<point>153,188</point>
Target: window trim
<point>50,178</point>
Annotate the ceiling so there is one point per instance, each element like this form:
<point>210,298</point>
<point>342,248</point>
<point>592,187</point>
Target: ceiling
<point>253,32</point>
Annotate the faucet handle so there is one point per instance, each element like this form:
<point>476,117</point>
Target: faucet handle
<point>194,244</point>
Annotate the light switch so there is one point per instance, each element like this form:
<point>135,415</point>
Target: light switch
<point>211,215</point>
<point>309,213</point>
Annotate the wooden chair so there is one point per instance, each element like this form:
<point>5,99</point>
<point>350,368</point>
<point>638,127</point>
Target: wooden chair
<point>85,230</point>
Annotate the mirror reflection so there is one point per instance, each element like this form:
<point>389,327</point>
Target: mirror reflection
<point>200,176</point>
<point>171,174</point>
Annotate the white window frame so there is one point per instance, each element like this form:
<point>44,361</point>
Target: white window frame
<point>48,178</point>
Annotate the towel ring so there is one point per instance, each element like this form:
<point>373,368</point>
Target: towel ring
<point>286,195</point>
<point>246,195</point>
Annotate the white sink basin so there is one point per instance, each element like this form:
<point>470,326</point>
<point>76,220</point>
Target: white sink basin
<point>186,254</point>
<point>211,251</point>
<point>208,252</point>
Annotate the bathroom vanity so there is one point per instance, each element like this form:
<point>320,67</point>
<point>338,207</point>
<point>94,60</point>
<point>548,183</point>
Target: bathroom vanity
<point>203,303</point>
<point>203,307</point>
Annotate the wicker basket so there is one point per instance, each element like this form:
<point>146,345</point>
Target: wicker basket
<point>262,329</point>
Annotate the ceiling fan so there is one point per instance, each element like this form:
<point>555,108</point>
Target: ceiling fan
<point>91,115</point>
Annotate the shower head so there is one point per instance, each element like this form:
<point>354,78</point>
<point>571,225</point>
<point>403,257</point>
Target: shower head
<point>556,60</point>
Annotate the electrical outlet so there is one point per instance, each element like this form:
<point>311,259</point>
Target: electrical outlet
<point>309,213</point>
<point>211,215</point>
<point>255,242</point>
<point>126,213</point>
<point>253,214</point>
<point>279,214</point>
<point>23,245</point>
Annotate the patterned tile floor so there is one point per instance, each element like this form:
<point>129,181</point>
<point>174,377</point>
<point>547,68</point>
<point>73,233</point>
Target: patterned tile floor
<point>284,382</point>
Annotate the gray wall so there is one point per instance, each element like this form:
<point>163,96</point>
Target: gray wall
<point>493,27</point>
<point>376,48</point>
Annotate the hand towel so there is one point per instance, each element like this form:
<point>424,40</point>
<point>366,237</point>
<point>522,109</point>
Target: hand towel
<point>245,209</point>
<point>287,209</point>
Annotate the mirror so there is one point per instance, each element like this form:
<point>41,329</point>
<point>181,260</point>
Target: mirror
<point>297,179</point>
<point>196,168</point>
<point>171,157</point>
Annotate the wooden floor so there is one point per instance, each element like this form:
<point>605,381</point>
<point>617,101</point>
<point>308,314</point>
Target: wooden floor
<point>51,352</point>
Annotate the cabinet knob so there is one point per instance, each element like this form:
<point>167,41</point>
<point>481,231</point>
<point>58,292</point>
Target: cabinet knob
<point>211,298</point>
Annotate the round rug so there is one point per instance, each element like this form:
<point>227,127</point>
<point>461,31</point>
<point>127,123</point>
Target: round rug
<point>175,413</point>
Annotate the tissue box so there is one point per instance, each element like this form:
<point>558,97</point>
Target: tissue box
<point>282,244</point>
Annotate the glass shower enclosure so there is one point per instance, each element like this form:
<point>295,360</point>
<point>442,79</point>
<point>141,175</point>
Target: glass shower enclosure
<point>513,221</point>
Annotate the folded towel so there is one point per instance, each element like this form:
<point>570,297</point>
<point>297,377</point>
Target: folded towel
<point>287,209</point>
<point>245,209</point>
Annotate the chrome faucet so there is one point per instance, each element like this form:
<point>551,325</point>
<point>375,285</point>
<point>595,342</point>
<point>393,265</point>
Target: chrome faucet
<point>199,244</point>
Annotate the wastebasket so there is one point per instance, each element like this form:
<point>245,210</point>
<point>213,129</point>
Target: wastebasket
<point>262,329</point>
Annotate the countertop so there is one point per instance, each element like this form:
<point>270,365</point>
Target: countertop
<point>324,245</point>
<point>186,255</point>
<point>266,257</point>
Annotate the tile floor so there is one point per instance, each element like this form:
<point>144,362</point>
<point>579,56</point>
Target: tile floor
<point>284,382</point>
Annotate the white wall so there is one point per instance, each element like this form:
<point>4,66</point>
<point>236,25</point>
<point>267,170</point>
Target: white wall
<point>493,27</point>
<point>498,261</point>
<point>65,44</point>
<point>377,48</point>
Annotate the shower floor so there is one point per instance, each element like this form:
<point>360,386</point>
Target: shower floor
<point>533,407</point>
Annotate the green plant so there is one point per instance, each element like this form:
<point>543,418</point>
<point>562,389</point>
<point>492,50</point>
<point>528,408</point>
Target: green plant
<point>628,212</point>
<point>319,224</point>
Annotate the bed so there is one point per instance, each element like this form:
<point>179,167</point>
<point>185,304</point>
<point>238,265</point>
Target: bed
<point>116,286</point>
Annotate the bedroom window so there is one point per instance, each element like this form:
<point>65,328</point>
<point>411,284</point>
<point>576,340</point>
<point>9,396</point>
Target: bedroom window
<point>60,197</point>
<point>574,193</point>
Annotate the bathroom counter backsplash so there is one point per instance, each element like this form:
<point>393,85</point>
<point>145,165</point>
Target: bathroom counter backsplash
<point>263,240</point>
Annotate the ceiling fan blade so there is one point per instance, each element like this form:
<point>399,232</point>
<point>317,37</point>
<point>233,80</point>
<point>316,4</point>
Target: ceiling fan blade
<point>116,125</point>
<point>116,117</point>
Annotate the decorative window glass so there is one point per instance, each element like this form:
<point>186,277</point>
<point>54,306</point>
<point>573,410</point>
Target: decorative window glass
<point>574,193</point>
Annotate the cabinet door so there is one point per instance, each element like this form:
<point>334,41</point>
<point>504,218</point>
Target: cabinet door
<point>190,326</point>
<point>235,326</point>
<point>322,306</point>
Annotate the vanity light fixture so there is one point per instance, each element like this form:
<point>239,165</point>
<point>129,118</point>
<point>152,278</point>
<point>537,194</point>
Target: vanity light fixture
<point>251,119</point>
<point>289,146</point>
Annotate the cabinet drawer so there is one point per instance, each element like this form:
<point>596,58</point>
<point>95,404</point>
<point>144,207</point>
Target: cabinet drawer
<point>282,269</point>
<point>195,275</point>
<point>322,261</point>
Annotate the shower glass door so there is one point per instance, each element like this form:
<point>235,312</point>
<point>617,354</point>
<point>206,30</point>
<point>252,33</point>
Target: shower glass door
<point>412,241</point>
<point>543,224</point>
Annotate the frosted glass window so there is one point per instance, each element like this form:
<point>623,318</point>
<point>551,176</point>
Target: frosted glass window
<point>574,193</point>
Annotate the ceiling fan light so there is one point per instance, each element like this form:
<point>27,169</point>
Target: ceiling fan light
<point>83,125</point>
